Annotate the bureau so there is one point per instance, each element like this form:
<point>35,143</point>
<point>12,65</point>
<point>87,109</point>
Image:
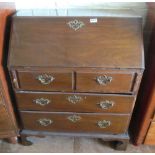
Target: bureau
<point>76,74</point>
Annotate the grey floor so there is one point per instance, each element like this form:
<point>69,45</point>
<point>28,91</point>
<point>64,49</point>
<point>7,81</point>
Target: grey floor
<point>58,144</point>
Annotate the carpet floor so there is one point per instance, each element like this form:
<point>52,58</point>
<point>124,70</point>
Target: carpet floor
<point>57,144</point>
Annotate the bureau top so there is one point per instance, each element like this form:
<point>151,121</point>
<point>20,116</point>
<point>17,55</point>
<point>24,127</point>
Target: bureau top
<point>79,41</point>
<point>76,12</point>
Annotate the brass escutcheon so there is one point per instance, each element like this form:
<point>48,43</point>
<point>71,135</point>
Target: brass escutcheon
<point>45,79</point>
<point>103,123</point>
<point>45,121</point>
<point>74,118</point>
<point>103,80</point>
<point>42,101</point>
<point>74,99</point>
<point>75,24</point>
<point>106,104</point>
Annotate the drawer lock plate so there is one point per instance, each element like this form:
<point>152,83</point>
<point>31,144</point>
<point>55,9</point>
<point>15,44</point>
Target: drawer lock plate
<point>106,104</point>
<point>103,123</point>
<point>74,99</point>
<point>75,24</point>
<point>42,101</point>
<point>45,121</point>
<point>45,79</point>
<point>103,80</point>
<point>74,118</point>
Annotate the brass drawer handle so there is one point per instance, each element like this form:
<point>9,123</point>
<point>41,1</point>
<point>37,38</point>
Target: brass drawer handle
<point>45,79</point>
<point>103,123</point>
<point>103,80</point>
<point>42,101</point>
<point>75,24</point>
<point>74,99</point>
<point>45,121</point>
<point>106,104</point>
<point>74,118</point>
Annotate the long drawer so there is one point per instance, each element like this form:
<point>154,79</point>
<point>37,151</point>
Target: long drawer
<point>74,122</point>
<point>74,102</point>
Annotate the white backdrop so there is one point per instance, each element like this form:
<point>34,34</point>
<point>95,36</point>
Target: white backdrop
<point>49,4</point>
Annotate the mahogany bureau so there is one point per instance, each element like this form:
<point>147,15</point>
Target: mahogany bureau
<point>76,75</point>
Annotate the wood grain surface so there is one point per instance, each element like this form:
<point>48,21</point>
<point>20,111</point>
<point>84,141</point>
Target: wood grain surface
<point>87,123</point>
<point>87,102</point>
<point>111,42</point>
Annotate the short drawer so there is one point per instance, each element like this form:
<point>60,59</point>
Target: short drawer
<point>46,81</point>
<point>74,122</point>
<point>108,82</point>
<point>77,102</point>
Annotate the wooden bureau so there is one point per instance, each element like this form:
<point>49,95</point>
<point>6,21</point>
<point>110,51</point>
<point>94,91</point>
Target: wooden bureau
<point>76,75</point>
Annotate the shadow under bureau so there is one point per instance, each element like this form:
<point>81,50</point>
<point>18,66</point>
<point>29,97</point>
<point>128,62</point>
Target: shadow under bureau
<point>76,75</point>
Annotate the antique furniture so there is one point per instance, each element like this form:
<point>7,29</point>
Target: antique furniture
<point>76,74</point>
<point>8,128</point>
<point>143,122</point>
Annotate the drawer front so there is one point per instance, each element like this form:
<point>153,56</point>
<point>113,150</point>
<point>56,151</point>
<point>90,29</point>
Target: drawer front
<point>105,82</point>
<point>75,122</point>
<point>47,81</point>
<point>75,102</point>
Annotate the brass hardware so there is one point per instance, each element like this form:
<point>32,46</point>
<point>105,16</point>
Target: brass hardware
<point>74,118</point>
<point>106,104</point>
<point>15,82</point>
<point>103,123</point>
<point>45,79</point>
<point>45,121</point>
<point>75,24</point>
<point>103,80</point>
<point>42,101</point>
<point>74,99</point>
